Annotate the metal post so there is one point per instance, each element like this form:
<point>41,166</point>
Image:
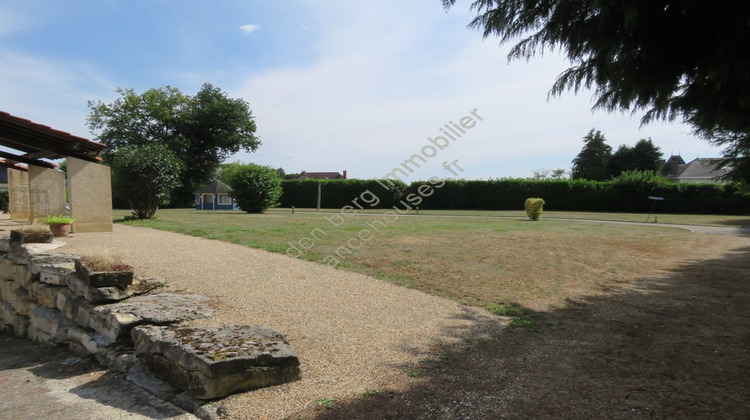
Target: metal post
<point>319,194</point>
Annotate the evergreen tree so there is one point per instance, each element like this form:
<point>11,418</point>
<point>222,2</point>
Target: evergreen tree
<point>592,161</point>
<point>673,59</point>
<point>644,156</point>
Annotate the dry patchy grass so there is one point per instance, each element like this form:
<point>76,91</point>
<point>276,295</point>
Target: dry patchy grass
<point>477,261</point>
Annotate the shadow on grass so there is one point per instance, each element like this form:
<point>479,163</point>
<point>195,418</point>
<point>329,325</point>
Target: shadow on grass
<point>671,346</point>
<point>735,222</point>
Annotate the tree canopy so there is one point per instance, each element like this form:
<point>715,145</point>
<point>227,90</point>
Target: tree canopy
<point>201,130</point>
<point>593,160</point>
<point>673,59</point>
<point>256,188</point>
<point>644,156</point>
<point>144,176</point>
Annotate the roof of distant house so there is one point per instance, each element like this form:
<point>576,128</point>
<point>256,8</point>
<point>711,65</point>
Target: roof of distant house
<point>703,168</point>
<point>698,168</point>
<point>321,175</point>
<point>215,187</point>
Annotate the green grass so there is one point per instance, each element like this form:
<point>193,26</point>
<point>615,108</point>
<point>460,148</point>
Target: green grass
<point>520,317</point>
<point>680,219</point>
<point>326,402</point>
<point>473,260</point>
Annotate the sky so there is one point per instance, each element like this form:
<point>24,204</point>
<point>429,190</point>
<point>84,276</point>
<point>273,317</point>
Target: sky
<point>333,85</point>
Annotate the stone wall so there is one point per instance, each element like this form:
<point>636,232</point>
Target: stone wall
<point>43,298</point>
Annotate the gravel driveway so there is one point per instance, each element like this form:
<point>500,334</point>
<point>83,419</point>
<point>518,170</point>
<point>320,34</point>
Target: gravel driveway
<point>352,332</point>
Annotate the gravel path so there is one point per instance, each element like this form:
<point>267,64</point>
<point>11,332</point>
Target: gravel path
<point>351,331</point>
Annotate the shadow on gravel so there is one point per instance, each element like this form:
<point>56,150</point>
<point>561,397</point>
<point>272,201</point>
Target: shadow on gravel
<point>670,346</point>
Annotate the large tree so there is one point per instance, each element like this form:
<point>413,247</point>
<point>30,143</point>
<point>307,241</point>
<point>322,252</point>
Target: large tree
<point>673,59</point>
<point>201,130</point>
<point>593,160</point>
<point>644,156</point>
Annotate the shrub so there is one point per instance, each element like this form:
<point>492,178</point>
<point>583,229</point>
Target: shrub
<point>534,208</point>
<point>145,176</point>
<point>256,188</point>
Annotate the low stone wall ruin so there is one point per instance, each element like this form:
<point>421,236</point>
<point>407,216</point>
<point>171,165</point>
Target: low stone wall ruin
<point>136,328</point>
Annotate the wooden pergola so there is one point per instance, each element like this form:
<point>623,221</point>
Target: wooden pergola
<point>36,141</point>
<point>40,190</point>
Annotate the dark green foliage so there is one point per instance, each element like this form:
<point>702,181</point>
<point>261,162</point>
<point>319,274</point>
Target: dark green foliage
<point>255,188</point>
<point>627,193</point>
<point>4,201</point>
<point>644,156</point>
<point>144,176</point>
<point>337,193</point>
<point>670,58</point>
<point>202,130</point>
<point>593,160</point>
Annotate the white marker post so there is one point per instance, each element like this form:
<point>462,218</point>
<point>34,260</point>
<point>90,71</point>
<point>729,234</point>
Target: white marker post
<point>655,199</point>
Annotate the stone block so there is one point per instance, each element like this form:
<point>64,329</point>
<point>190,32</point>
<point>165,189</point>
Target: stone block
<point>52,268</point>
<point>93,278</point>
<point>46,192</point>
<point>74,307</point>
<point>51,322</point>
<point>23,253</point>
<point>12,321</point>
<point>5,244</point>
<point>45,294</point>
<point>116,320</point>
<point>39,336</point>
<point>141,285</point>
<point>16,272</point>
<point>18,194</point>
<point>214,362</point>
<point>90,196</point>
<point>112,355</point>
<point>21,301</point>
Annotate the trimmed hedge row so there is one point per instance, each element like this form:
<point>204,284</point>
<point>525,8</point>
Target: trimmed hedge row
<point>337,193</point>
<point>510,194</point>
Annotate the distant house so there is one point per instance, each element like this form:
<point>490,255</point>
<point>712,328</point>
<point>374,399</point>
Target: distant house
<point>697,170</point>
<point>321,175</point>
<point>214,196</point>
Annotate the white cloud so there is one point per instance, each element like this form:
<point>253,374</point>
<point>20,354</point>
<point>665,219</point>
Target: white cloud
<point>372,98</point>
<point>249,28</point>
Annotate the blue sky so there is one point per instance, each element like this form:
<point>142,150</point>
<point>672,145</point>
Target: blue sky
<point>333,84</point>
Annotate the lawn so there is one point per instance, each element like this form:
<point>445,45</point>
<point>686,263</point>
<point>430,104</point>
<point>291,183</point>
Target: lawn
<point>475,260</point>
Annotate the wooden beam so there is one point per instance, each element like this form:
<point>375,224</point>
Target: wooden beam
<point>27,161</point>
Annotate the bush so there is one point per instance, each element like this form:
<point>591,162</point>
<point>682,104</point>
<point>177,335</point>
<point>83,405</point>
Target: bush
<point>255,188</point>
<point>145,176</point>
<point>534,208</point>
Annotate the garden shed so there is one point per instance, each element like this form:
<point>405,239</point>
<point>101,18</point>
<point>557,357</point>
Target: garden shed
<point>214,196</point>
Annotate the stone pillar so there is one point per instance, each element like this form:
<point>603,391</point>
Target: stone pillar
<point>46,193</point>
<point>18,194</point>
<point>90,196</point>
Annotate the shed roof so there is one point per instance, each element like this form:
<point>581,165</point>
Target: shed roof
<point>36,141</point>
<point>215,187</point>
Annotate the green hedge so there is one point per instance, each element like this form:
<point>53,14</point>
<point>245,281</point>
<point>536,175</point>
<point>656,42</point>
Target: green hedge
<point>625,194</point>
<point>337,193</point>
